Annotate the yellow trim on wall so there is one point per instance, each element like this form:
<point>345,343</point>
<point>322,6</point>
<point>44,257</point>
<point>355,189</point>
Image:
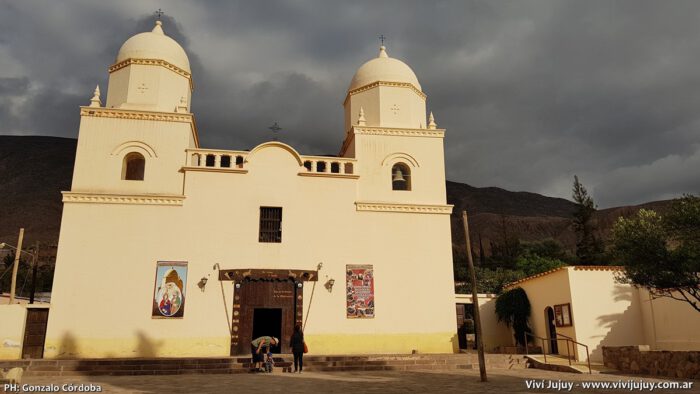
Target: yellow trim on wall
<point>143,346</point>
<point>140,345</point>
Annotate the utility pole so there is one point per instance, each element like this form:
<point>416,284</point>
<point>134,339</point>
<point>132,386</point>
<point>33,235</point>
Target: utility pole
<point>34,269</point>
<point>18,252</point>
<point>475,301</point>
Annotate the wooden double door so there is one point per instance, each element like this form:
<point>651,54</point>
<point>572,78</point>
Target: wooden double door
<point>265,308</point>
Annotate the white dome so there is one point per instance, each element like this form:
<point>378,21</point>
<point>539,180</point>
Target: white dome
<point>383,68</point>
<point>154,45</point>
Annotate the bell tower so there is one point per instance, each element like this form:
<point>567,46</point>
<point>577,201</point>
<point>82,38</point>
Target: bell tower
<point>400,153</point>
<point>135,144</point>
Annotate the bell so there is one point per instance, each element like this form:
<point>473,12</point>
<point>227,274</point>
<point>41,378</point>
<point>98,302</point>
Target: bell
<point>398,176</point>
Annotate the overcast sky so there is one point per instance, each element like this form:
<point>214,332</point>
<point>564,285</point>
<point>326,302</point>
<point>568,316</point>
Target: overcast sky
<point>530,92</point>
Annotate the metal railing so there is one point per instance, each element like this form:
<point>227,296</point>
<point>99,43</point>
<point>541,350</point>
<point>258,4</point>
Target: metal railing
<point>544,350</point>
<point>568,353</point>
<point>564,338</point>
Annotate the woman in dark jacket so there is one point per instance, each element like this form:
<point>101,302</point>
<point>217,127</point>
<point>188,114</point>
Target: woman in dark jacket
<point>297,345</point>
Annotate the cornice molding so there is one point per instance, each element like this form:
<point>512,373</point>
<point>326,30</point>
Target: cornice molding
<point>392,131</point>
<point>214,169</point>
<point>122,113</point>
<point>384,83</point>
<point>329,175</point>
<point>403,208</point>
<point>131,114</point>
<point>152,62</point>
<point>135,199</point>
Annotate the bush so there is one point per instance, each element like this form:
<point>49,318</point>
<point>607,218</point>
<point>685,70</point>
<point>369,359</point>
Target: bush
<point>513,309</point>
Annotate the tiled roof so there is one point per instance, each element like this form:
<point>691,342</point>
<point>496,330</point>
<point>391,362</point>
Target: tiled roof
<point>575,267</point>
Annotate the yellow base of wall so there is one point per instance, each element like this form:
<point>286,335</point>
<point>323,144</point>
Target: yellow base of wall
<point>141,346</point>
<point>381,343</point>
<point>10,353</point>
<point>69,347</point>
<point>12,318</point>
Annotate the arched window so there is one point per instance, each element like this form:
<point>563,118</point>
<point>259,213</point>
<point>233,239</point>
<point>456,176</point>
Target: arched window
<point>134,166</point>
<point>400,177</point>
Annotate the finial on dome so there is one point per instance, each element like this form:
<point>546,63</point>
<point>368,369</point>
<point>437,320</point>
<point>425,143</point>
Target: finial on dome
<point>431,122</point>
<point>361,121</point>
<point>382,51</point>
<point>95,101</point>
<point>158,29</point>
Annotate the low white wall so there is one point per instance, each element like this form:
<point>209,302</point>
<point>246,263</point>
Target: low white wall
<point>12,320</point>
<point>495,334</point>
<point>669,324</point>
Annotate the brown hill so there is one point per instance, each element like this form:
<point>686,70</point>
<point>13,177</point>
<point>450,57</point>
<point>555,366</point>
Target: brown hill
<point>34,170</point>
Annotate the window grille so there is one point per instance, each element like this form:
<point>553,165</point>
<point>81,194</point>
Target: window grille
<point>270,224</point>
<point>134,167</point>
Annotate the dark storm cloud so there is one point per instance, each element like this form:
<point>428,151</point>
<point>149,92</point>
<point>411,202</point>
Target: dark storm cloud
<point>531,92</point>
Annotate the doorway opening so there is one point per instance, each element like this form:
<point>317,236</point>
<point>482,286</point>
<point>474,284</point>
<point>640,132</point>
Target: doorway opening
<point>35,333</point>
<point>551,330</point>
<point>268,322</point>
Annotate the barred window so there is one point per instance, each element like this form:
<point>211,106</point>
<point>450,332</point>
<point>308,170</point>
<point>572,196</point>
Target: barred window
<point>270,224</point>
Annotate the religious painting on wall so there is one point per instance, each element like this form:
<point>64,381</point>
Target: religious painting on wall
<point>359,281</point>
<point>562,315</point>
<point>169,290</point>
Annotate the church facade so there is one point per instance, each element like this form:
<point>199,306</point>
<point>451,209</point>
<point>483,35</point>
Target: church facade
<point>170,249</point>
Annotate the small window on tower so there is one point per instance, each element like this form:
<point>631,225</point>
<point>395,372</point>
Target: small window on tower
<point>400,177</point>
<point>270,224</point>
<point>134,166</point>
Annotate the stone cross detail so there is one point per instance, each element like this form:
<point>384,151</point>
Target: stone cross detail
<point>142,88</point>
<point>275,129</point>
<point>159,13</point>
<point>382,38</point>
<point>395,108</point>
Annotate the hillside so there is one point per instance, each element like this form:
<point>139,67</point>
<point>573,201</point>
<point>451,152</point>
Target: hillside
<point>34,171</point>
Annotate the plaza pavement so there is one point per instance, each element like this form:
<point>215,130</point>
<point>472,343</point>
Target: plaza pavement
<point>462,381</point>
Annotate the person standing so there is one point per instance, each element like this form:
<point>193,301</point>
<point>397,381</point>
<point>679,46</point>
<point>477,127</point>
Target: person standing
<point>297,345</point>
<point>256,346</point>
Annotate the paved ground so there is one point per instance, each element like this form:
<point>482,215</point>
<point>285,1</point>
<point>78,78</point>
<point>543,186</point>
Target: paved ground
<point>501,381</point>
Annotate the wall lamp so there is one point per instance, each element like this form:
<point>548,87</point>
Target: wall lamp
<point>202,283</point>
<point>329,284</point>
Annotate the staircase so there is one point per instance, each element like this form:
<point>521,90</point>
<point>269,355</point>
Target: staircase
<point>283,363</point>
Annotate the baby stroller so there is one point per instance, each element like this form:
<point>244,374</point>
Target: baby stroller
<point>269,362</point>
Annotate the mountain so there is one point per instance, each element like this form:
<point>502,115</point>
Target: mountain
<point>34,171</point>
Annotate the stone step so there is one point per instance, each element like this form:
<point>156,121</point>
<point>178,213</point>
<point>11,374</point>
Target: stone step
<point>233,365</point>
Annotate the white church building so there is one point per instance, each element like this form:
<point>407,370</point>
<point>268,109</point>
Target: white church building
<point>170,249</point>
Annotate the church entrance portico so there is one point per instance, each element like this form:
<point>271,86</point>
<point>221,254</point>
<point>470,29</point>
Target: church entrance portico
<point>266,303</point>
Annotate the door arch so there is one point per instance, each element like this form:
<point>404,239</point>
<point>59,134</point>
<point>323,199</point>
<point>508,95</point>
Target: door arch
<point>551,330</point>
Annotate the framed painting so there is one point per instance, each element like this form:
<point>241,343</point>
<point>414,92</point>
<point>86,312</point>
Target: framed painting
<point>359,287</point>
<point>169,290</point>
